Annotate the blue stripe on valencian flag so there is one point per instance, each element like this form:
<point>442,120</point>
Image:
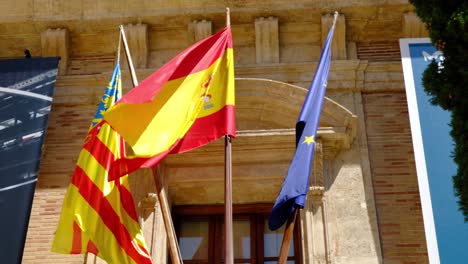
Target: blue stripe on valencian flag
<point>111,95</point>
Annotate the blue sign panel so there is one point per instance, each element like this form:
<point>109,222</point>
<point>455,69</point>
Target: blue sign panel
<point>446,232</point>
<point>26,88</point>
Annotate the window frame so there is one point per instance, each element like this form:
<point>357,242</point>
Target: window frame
<point>214,214</point>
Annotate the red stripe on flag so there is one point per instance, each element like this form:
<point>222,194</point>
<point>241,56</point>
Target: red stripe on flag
<point>200,56</point>
<point>125,166</point>
<point>194,59</point>
<point>97,148</point>
<point>76,242</point>
<point>219,123</point>
<point>92,248</point>
<point>127,201</point>
<point>95,198</point>
<point>105,157</point>
<point>208,128</point>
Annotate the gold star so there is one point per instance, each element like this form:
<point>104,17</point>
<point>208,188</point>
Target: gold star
<point>309,140</point>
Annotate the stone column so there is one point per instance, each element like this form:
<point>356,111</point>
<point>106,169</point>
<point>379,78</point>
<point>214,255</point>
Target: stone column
<point>338,47</point>
<point>55,43</point>
<point>198,30</point>
<point>266,40</point>
<point>137,38</point>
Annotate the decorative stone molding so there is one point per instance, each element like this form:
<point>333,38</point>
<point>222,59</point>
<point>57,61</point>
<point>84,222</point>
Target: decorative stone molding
<point>316,183</point>
<point>149,202</point>
<point>338,47</point>
<point>55,43</point>
<point>266,40</point>
<point>413,27</point>
<point>137,38</point>
<point>198,30</point>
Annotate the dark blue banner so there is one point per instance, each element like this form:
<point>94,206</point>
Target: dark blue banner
<point>26,89</point>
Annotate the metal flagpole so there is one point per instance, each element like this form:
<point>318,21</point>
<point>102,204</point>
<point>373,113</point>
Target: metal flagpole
<point>289,229</point>
<point>228,250</point>
<point>162,197</point>
<point>228,236</point>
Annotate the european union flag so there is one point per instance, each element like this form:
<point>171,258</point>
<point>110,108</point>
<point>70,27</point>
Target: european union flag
<point>296,184</point>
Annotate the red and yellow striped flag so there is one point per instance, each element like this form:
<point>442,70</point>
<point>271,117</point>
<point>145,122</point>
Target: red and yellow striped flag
<point>186,104</point>
<point>99,216</point>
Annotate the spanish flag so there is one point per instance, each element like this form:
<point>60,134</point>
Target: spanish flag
<point>186,104</point>
<point>99,216</point>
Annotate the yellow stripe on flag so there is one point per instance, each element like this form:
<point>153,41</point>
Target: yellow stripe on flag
<point>63,239</point>
<point>92,223</point>
<point>95,211</point>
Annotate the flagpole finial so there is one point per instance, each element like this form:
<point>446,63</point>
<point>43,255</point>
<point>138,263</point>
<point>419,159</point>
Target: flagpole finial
<point>228,17</point>
<point>335,17</point>
<point>120,43</point>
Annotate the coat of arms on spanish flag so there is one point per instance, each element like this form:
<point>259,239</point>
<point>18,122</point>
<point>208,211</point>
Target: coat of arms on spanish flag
<point>187,103</point>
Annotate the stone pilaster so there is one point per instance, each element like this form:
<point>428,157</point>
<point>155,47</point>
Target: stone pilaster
<point>137,38</point>
<point>338,47</point>
<point>315,231</point>
<point>266,40</point>
<point>55,43</point>
<point>198,30</point>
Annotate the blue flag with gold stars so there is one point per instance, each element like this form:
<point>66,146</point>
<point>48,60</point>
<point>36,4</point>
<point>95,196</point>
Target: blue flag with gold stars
<point>296,184</point>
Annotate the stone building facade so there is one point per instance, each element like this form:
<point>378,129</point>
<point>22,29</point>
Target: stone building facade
<point>364,204</point>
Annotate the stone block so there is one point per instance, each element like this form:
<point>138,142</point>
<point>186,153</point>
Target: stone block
<point>198,30</point>
<point>55,42</point>
<point>137,39</point>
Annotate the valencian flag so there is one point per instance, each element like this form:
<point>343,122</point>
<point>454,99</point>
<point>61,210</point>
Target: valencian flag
<point>293,192</point>
<point>186,104</point>
<point>99,216</point>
